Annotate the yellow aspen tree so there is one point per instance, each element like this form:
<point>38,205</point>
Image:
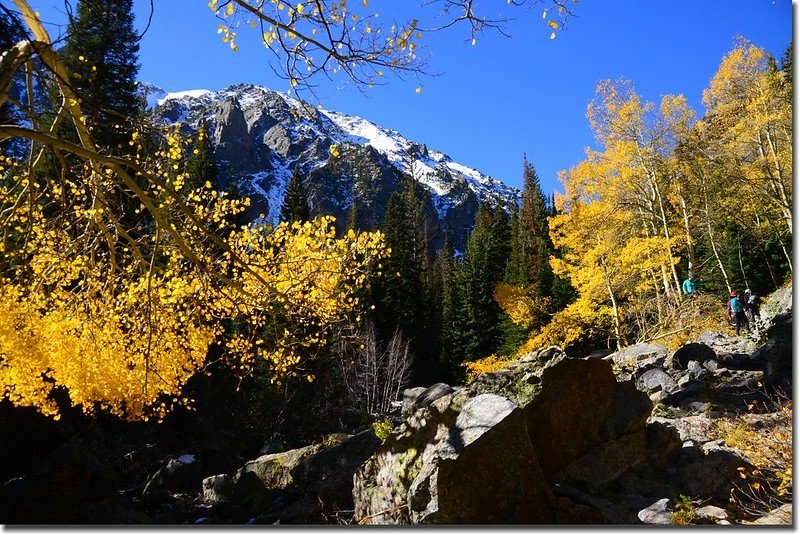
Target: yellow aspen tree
<point>121,317</point>
<point>636,141</point>
<point>746,99</point>
<point>606,256</point>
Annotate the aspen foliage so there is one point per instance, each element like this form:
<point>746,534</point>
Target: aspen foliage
<point>122,325</point>
<point>118,309</point>
<point>489,364</point>
<point>661,186</point>
<point>749,103</point>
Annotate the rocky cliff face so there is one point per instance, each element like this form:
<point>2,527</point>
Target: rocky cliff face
<point>260,136</point>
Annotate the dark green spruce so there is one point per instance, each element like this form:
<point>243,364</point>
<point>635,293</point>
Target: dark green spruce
<point>295,206</point>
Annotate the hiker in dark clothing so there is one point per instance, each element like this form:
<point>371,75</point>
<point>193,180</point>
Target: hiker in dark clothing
<point>752,304</point>
<point>736,312</point>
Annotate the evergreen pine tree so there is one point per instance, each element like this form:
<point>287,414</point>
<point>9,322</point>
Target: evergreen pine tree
<point>295,204</point>
<point>101,55</point>
<point>399,292</point>
<point>536,245</point>
<point>351,221</point>
<point>445,269</point>
<point>517,266</point>
<point>481,313</point>
<point>200,164</point>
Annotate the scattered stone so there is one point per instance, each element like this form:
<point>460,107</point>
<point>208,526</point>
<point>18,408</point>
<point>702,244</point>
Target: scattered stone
<point>416,398</point>
<point>658,513</point>
<point>632,356</point>
<point>782,516</point>
<point>711,512</point>
<point>655,380</point>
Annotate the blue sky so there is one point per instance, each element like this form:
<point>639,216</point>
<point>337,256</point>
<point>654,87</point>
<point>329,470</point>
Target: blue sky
<point>502,97</point>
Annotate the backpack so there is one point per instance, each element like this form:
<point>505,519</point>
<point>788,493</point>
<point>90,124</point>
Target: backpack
<point>736,305</point>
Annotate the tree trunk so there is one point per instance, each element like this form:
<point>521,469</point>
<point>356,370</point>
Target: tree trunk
<point>687,230</point>
<point>614,309</point>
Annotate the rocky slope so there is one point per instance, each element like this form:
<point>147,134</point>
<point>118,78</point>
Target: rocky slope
<point>642,436</point>
<point>260,135</point>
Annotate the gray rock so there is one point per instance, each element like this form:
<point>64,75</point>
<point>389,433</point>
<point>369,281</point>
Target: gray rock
<point>177,474</point>
<point>711,476</point>
<point>251,491</point>
<point>696,427</point>
<point>654,380</point>
<point>416,398</point>
<point>231,137</point>
<point>609,513</point>
<point>278,139</point>
<point>712,512</point>
<point>782,516</point>
<point>658,513</point>
<point>571,414</point>
<point>275,469</point>
<point>451,464</point>
<point>328,474</point>
<point>607,462</point>
<point>630,409</point>
<point>218,488</point>
<point>695,369</point>
<point>631,356</point>
<point>778,350</point>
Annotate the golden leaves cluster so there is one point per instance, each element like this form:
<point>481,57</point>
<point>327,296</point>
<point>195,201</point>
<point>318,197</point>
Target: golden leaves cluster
<point>120,309</point>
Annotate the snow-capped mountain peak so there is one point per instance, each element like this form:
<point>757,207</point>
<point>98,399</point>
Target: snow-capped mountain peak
<point>260,136</point>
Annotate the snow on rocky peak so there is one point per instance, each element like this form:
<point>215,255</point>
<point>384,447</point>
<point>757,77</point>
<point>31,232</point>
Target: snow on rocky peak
<point>270,133</point>
<point>406,156</point>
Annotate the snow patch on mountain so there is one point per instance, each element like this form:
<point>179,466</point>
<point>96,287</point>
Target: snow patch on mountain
<point>190,94</point>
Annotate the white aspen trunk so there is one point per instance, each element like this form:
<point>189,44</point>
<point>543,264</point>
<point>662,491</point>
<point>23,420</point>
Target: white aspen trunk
<point>714,248</point>
<point>777,183</point>
<point>675,278</point>
<point>687,230</point>
<point>786,204</point>
<point>614,309</point>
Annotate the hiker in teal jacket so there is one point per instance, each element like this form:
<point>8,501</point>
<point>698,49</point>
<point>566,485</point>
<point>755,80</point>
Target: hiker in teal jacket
<point>736,312</point>
<point>690,285</point>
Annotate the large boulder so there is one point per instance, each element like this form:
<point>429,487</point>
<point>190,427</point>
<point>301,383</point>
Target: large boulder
<point>275,470</point>
<point>180,474</point>
<point>478,457</point>
<point>455,464</point>
<point>778,353</point>
<point>416,398</point>
<point>711,474</point>
<point>640,354</point>
<point>328,474</point>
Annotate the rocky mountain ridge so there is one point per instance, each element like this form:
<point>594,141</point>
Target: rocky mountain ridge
<point>259,136</point>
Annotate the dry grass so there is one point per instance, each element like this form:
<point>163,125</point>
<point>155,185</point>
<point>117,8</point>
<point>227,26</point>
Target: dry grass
<point>766,440</point>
